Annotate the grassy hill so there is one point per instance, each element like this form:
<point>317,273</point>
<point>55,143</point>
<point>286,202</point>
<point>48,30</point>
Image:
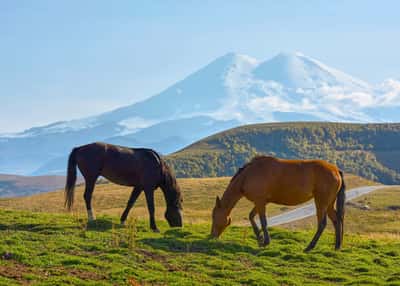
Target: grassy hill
<point>368,150</point>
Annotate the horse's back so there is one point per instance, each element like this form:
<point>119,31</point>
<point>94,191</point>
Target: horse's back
<point>131,166</point>
<point>90,158</point>
<point>119,164</point>
<point>288,181</point>
<point>293,170</point>
<point>119,154</point>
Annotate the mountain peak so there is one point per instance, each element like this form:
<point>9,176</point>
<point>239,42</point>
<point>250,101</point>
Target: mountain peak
<point>296,70</point>
<point>290,54</point>
<point>232,58</point>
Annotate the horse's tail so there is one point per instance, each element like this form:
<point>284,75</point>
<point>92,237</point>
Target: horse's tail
<point>71,179</point>
<point>340,201</point>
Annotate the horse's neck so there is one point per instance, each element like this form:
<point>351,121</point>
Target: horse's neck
<point>169,196</point>
<point>229,199</point>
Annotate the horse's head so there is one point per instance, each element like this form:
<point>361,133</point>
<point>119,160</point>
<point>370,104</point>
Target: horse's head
<point>174,216</point>
<point>220,219</point>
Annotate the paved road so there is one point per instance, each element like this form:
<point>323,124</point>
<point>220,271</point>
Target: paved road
<point>309,209</point>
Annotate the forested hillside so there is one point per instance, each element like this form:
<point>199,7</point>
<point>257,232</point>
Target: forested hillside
<point>369,150</point>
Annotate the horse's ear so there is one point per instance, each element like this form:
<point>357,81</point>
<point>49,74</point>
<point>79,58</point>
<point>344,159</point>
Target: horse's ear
<point>218,202</point>
<point>229,221</point>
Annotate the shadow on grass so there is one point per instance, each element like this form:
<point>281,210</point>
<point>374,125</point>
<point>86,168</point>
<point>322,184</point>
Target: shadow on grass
<point>36,227</point>
<point>101,224</point>
<point>175,240</point>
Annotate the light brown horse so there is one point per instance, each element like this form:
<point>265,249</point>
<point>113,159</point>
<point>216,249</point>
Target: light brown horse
<point>288,182</point>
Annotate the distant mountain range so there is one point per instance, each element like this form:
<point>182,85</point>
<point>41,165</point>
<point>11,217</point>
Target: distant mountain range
<point>15,186</point>
<point>230,91</point>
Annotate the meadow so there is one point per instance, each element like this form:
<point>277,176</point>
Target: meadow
<point>41,244</point>
<point>110,199</point>
<point>57,249</point>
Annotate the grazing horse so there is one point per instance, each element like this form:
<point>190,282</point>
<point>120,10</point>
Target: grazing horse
<point>143,169</point>
<point>287,182</point>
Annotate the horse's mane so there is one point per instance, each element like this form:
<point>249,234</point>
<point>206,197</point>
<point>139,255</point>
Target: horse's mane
<point>170,182</point>
<point>240,171</point>
<point>255,158</point>
<point>166,172</point>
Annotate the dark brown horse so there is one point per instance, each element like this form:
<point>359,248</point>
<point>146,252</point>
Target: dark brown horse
<point>143,169</point>
<point>288,182</point>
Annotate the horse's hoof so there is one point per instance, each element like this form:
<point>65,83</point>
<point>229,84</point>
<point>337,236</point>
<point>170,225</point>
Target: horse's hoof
<point>260,241</point>
<point>122,222</point>
<point>263,243</point>
<point>155,230</point>
<point>308,249</point>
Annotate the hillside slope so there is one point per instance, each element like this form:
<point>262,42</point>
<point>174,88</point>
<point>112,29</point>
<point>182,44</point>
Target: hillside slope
<point>13,185</point>
<point>368,150</point>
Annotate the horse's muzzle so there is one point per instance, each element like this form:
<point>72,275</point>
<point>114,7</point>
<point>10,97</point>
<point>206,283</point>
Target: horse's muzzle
<point>174,218</point>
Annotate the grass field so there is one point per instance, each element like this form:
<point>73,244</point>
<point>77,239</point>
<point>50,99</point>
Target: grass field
<point>49,249</point>
<point>43,245</point>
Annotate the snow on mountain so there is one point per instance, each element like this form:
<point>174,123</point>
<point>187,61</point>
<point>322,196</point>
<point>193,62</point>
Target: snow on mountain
<point>233,89</point>
<point>295,83</point>
<point>295,70</point>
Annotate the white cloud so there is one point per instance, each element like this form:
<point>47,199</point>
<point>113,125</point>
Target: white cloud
<point>389,93</point>
<point>134,124</point>
<point>268,104</point>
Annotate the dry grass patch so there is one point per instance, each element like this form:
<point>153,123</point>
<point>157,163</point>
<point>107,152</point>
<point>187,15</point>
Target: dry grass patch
<point>110,199</point>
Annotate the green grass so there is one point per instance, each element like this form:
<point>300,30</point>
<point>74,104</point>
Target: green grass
<point>59,249</point>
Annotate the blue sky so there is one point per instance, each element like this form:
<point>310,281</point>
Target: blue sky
<point>68,59</point>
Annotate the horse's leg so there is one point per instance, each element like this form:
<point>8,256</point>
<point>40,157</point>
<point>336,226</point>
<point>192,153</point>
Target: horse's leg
<point>263,221</point>
<point>89,188</point>
<point>336,224</point>
<point>132,199</point>
<point>321,215</point>
<point>150,205</point>
<point>256,230</point>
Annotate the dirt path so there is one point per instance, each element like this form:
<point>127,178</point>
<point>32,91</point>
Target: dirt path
<point>309,209</point>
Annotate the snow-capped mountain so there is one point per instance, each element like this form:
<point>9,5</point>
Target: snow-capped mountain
<point>232,90</point>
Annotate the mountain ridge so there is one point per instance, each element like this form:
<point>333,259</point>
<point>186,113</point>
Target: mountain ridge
<point>231,90</point>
